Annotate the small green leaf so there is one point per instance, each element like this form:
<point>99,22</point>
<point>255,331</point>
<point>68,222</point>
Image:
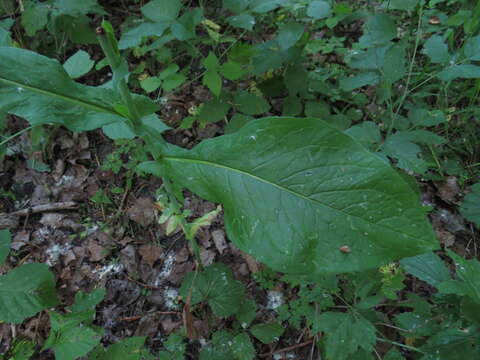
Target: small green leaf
<point>401,147</point>
<point>26,290</point>
<point>345,334</point>
<point>358,81</point>
<point>184,28</point>
<point>68,339</point>
<point>150,84</point>
<point>465,71</point>
<point>126,349</point>
<point>472,48</point>
<point>289,34</point>
<point>247,312</point>
<point>5,239</point>
<point>242,347</point>
<point>162,10</point>
<point>232,70</point>
<point>34,17</point>
<point>407,5</point>
<point>236,6</point>
<point>263,6</point>
<point>394,66</point>
<point>292,106</point>
<point>436,49</point>
<point>319,9</point>
<point>366,133</point>
<point>213,81</point>
<point>78,64</point>
<point>211,62</point>
<point>267,333</point>
<point>217,286</point>
<point>378,29</point>
<point>214,110</point>
<point>424,117</point>
<point>153,122</point>
<point>242,21</point>
<point>470,208</point>
<point>118,130</point>
<point>173,81</point>
<point>87,301</point>
<point>317,109</point>
<point>250,104</point>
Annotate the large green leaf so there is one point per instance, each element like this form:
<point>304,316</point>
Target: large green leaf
<point>5,239</point>
<point>295,191</point>
<point>26,290</point>
<point>39,89</point>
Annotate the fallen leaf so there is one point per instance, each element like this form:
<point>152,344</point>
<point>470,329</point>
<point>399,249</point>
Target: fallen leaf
<point>219,240</point>
<point>97,252</point>
<point>449,190</point>
<point>142,211</point>
<point>150,253</point>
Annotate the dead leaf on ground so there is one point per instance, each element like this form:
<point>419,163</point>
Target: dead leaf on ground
<point>150,253</point>
<point>219,240</point>
<point>449,190</point>
<point>97,252</point>
<point>207,256</point>
<point>446,238</point>
<point>142,211</point>
<point>168,325</point>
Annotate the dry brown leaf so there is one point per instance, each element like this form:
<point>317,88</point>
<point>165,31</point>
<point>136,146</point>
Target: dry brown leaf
<point>150,253</point>
<point>219,240</point>
<point>97,252</point>
<point>142,211</point>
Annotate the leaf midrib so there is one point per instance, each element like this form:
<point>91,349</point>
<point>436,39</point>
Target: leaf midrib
<point>243,172</point>
<point>54,94</point>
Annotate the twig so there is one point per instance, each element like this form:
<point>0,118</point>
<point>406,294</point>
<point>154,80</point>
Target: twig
<point>293,347</point>
<point>66,205</point>
<point>138,317</point>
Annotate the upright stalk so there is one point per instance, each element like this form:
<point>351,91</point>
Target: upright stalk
<point>115,61</point>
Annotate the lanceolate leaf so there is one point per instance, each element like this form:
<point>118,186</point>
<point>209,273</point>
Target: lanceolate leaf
<point>38,89</point>
<point>295,191</point>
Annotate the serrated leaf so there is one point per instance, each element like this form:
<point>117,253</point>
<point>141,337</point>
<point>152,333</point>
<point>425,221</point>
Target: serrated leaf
<point>217,286</point>
<point>369,59</point>
<point>78,64</point>
<point>87,301</point>
<point>184,28</point>
<point>465,71</point>
<point>247,312</point>
<point>250,104</point>
<point>472,48</point>
<point>394,65</point>
<point>452,344</point>
<point>358,81</point>
<point>424,117</point>
<point>242,347</point>
<point>401,147</point>
<point>345,334</point>
<point>468,284</point>
<point>306,191</point>
<point>436,49</point>
<point>126,349</point>
<point>134,36</point>
<point>470,208</point>
<point>214,110</point>
<point>34,17</point>
<point>162,10</point>
<point>5,239</point>
<point>319,9</point>
<point>378,29</point>
<point>236,6</point>
<point>26,290</point>
<point>289,34</point>
<point>427,267</point>
<point>68,339</point>
<point>267,333</point>
<point>40,90</point>
<point>242,21</point>
<point>366,133</point>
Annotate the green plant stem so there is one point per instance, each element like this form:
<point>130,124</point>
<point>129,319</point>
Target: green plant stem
<point>15,135</point>
<point>114,61</point>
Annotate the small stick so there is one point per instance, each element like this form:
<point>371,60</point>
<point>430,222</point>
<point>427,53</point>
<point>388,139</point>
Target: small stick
<point>293,347</point>
<point>66,205</point>
<point>138,317</point>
